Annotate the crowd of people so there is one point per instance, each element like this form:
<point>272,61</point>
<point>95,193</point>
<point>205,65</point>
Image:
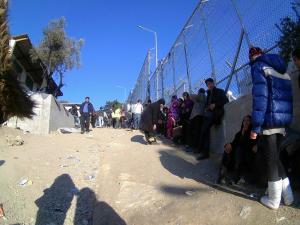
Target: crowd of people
<point>256,146</point>
<point>187,120</point>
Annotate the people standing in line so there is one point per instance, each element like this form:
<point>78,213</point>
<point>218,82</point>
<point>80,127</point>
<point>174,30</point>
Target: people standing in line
<point>74,112</point>
<point>138,109</point>
<point>214,111</point>
<point>86,110</point>
<point>116,115</point>
<point>105,119</point>
<point>186,123</point>
<point>272,112</point>
<point>123,117</point>
<point>100,118</point>
<point>149,120</point>
<point>173,116</point>
<point>197,118</point>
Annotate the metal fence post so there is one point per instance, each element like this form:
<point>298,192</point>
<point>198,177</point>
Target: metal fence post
<point>187,64</point>
<point>213,70</point>
<point>241,22</point>
<point>235,60</point>
<point>174,72</point>
<point>162,81</point>
<point>148,75</point>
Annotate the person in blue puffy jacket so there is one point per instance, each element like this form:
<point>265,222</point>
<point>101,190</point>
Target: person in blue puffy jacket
<point>272,112</point>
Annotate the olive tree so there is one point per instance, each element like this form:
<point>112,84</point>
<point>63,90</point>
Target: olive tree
<point>58,52</point>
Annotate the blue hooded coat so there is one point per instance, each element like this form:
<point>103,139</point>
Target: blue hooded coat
<point>272,93</point>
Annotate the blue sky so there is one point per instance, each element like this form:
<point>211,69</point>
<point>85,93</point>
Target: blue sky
<point>114,47</point>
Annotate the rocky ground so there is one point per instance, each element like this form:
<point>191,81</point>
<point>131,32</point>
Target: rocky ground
<point>112,177</point>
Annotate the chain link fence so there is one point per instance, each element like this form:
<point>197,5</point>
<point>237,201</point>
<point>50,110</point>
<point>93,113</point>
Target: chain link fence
<point>214,43</point>
<point>141,90</point>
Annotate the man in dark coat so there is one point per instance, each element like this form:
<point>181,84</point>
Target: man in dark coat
<point>149,120</point>
<point>86,110</point>
<point>216,99</point>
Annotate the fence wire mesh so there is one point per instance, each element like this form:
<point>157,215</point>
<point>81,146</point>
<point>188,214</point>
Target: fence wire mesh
<point>210,43</point>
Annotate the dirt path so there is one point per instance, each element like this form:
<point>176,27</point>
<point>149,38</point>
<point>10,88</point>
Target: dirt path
<point>112,177</point>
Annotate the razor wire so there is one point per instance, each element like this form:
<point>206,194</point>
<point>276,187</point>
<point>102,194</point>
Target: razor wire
<point>216,38</point>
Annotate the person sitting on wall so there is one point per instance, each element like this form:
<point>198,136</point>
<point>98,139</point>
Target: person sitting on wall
<point>149,120</point>
<point>215,101</point>
<point>239,155</point>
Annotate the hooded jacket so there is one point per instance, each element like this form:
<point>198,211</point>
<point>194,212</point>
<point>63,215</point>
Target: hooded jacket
<point>272,93</point>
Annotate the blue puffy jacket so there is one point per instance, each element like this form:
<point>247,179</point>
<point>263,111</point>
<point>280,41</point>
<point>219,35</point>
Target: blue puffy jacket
<point>272,93</point>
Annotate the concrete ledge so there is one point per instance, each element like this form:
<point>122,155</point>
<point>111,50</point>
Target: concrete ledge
<point>50,115</point>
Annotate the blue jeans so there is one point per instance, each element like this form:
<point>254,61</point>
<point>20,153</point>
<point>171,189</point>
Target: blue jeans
<point>137,119</point>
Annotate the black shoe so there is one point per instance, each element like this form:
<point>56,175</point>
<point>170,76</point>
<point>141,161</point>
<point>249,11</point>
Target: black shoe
<point>202,156</point>
<point>82,132</point>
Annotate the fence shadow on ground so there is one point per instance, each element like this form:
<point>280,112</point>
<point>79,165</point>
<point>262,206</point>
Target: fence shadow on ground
<point>56,201</point>
<point>139,139</point>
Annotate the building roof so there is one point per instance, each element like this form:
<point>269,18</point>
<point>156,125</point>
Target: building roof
<point>21,51</point>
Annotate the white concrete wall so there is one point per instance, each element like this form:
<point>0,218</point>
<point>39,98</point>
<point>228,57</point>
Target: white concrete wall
<point>59,117</point>
<point>49,116</point>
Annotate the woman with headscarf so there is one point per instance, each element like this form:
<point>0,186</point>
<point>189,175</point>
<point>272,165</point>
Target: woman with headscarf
<point>149,120</point>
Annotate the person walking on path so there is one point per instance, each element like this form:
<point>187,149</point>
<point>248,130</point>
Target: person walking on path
<point>86,110</point>
<point>149,120</point>
<point>138,109</point>
<point>272,112</point>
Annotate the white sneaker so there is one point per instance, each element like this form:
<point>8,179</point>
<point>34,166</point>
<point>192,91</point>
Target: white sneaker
<point>287,192</point>
<point>272,200</point>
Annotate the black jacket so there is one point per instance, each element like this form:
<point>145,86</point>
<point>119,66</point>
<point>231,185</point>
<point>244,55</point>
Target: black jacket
<point>218,97</point>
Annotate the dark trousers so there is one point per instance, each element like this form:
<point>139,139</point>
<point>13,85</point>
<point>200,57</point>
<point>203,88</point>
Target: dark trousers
<point>186,129</point>
<point>275,170</point>
<point>240,160</point>
<point>196,124</point>
<point>85,122</point>
<point>205,135</point>
<point>116,123</point>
